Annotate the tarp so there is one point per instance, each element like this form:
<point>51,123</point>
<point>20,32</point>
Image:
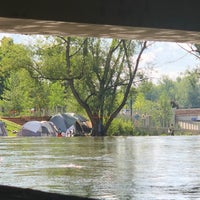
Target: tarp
<point>84,122</point>
<point>37,128</point>
<point>3,131</point>
<point>69,120</point>
<point>67,124</point>
<point>59,122</point>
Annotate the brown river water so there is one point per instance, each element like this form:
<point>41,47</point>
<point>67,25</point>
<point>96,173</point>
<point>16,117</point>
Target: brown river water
<point>149,168</point>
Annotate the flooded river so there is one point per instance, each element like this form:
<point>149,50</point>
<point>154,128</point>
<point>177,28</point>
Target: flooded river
<point>138,168</point>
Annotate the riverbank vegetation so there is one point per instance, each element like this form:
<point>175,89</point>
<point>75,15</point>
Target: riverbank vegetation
<point>11,127</point>
<point>99,78</point>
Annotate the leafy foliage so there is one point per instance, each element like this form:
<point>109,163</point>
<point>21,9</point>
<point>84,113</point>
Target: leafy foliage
<point>94,76</point>
<point>121,126</point>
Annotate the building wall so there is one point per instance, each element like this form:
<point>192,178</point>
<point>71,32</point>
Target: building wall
<point>188,119</point>
<point>187,114</point>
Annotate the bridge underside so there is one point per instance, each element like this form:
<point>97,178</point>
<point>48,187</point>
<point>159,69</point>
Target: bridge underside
<point>158,20</point>
<point>43,27</point>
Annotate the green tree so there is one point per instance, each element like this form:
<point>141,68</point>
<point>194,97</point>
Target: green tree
<point>56,97</point>
<point>165,110</point>
<point>109,72</point>
<point>23,93</point>
<point>12,57</point>
<point>167,85</point>
<point>97,71</point>
<point>20,91</point>
<point>140,103</point>
<point>13,97</point>
<point>153,100</point>
<point>193,87</point>
<point>193,77</point>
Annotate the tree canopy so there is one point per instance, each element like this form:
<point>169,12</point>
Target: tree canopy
<point>99,73</point>
<point>95,76</point>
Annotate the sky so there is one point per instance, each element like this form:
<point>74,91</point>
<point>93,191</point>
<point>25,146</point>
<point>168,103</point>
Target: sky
<point>167,58</point>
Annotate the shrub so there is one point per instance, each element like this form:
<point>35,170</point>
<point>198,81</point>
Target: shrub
<point>121,126</point>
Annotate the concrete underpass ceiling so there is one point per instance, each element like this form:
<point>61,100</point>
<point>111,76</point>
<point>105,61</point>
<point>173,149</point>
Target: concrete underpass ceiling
<point>47,27</point>
<point>153,20</point>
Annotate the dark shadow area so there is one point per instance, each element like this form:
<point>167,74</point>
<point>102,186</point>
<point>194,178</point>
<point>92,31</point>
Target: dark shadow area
<point>14,193</point>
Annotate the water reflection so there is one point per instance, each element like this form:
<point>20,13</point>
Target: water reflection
<point>104,168</point>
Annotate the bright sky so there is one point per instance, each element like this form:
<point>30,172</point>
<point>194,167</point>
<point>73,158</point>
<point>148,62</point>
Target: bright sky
<point>170,59</point>
<point>167,58</point>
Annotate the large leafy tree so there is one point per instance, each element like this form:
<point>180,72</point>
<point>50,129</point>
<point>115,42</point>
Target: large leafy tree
<point>12,97</point>
<point>56,97</point>
<point>165,111</point>
<point>193,87</point>
<point>13,57</point>
<point>20,92</point>
<point>23,93</point>
<point>111,72</point>
<point>97,71</point>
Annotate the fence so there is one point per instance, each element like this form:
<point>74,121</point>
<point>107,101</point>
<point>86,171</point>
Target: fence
<point>189,125</point>
<point>181,128</point>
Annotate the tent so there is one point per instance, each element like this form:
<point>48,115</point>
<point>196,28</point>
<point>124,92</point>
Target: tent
<point>84,122</point>
<point>67,124</point>
<point>3,131</point>
<point>37,128</point>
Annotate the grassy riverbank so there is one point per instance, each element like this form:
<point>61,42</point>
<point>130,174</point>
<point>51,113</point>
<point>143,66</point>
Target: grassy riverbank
<point>11,127</point>
<point>119,129</point>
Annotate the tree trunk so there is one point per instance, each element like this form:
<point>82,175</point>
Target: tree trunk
<point>97,126</point>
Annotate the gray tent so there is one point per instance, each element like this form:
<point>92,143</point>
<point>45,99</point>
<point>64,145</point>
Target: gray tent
<point>37,128</point>
<point>65,122</point>
<point>3,131</point>
<point>85,123</point>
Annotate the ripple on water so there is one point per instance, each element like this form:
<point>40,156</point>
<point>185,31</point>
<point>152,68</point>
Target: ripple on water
<point>151,168</point>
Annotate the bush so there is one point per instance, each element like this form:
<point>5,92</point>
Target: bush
<point>121,126</point>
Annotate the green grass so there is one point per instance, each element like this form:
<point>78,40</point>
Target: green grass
<point>11,126</point>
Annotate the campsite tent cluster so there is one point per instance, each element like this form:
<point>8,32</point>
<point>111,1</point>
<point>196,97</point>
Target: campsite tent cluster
<point>65,125</point>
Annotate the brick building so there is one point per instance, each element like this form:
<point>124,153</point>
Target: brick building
<point>192,114</point>
<point>188,118</point>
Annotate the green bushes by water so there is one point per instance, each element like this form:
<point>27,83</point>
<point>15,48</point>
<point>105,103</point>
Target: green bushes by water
<point>121,126</point>
<point>125,127</point>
